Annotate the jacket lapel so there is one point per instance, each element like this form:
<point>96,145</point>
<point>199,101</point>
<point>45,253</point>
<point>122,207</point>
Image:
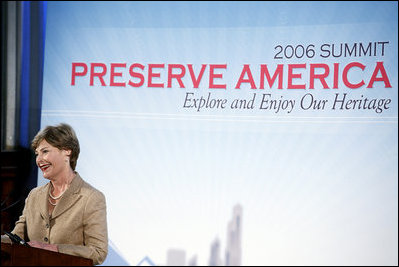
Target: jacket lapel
<point>69,198</point>
<point>43,198</point>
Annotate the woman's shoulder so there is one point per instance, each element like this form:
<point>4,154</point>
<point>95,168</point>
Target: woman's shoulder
<point>39,189</point>
<point>90,190</point>
<point>36,192</point>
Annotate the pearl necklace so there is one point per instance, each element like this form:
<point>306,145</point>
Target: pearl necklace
<point>54,198</point>
<point>53,204</point>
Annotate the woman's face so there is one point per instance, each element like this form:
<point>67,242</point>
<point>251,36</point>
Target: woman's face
<point>51,160</point>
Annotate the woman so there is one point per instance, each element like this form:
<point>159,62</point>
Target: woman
<point>67,214</point>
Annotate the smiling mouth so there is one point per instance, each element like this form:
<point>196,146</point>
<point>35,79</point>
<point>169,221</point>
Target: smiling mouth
<point>44,167</point>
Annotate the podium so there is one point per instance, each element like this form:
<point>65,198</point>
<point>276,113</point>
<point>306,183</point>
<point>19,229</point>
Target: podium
<point>19,255</point>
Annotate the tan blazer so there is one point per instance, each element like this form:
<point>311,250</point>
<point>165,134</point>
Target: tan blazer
<point>78,224</point>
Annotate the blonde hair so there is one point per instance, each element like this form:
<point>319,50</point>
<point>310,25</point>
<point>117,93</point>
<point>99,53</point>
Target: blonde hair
<point>61,136</point>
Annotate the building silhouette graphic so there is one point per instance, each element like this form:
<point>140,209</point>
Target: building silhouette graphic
<point>192,261</point>
<point>233,246</point>
<point>176,257</point>
<point>215,259</point>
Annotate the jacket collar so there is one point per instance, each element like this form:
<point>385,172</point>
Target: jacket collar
<point>69,198</point>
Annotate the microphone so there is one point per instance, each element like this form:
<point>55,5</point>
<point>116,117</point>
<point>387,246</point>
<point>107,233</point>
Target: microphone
<point>16,239</point>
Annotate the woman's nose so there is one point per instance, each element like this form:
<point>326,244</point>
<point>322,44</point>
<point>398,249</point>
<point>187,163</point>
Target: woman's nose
<point>38,158</point>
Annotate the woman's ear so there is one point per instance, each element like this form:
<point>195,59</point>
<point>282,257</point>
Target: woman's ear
<point>68,152</point>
